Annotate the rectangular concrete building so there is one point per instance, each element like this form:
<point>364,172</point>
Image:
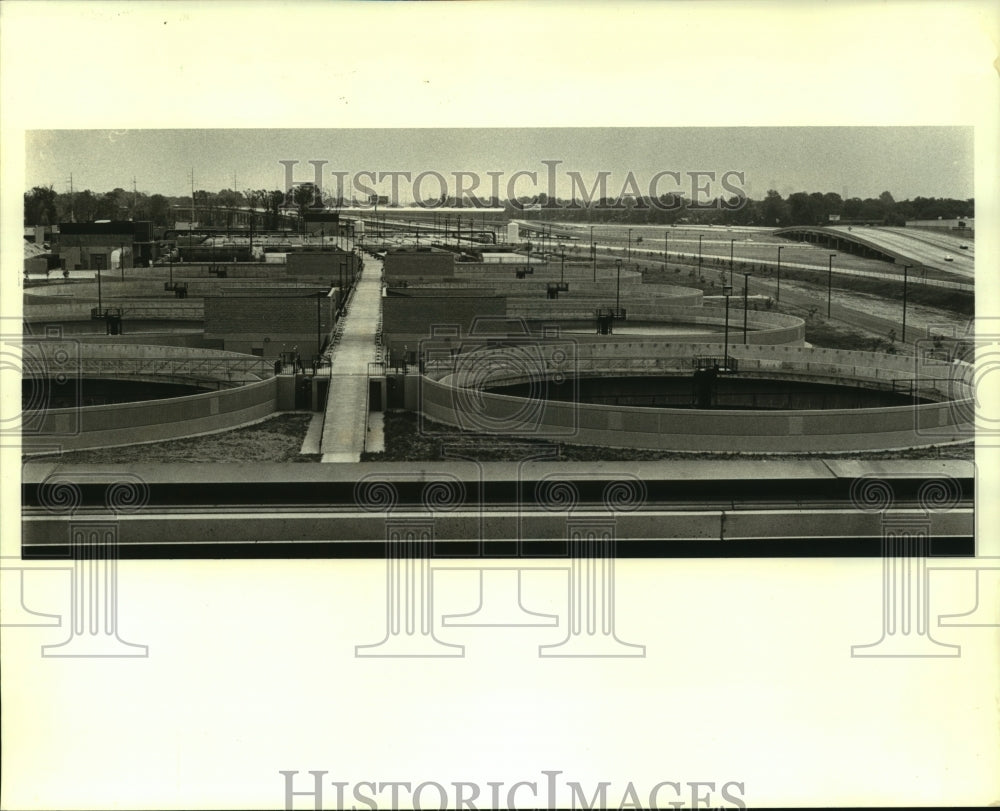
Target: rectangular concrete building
<point>418,264</point>
<point>412,316</point>
<point>268,322</point>
<point>328,264</point>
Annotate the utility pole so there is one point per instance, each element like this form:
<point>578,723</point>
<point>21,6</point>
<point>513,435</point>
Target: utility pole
<point>191,224</point>
<point>72,200</point>
<point>746,284</point>
<point>829,284</point>
<point>618,286</point>
<point>319,342</point>
<point>777,293</point>
<point>593,252</point>
<point>99,302</point>
<point>727,291</point>
<point>906,269</point>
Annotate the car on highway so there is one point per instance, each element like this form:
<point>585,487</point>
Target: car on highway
<point>949,258</point>
<point>964,247</point>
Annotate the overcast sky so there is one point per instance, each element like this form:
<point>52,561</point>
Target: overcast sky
<point>851,161</point>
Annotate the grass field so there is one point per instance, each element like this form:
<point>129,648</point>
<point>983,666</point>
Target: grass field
<point>408,439</point>
<point>276,439</point>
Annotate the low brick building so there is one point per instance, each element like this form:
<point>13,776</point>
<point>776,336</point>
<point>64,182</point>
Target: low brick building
<point>89,245</point>
<point>329,264</point>
<point>267,322</point>
<point>411,316</point>
<point>418,264</point>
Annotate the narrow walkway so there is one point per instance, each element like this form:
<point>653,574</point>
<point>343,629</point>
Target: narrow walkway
<point>344,426</point>
<point>310,442</point>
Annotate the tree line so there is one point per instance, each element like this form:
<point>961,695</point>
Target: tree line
<point>44,206</point>
<point>774,210</point>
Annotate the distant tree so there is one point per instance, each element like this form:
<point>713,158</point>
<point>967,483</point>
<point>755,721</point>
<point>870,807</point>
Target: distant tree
<point>40,206</point>
<point>274,200</point>
<point>85,206</point>
<point>774,210</point>
<point>159,209</point>
<point>852,208</point>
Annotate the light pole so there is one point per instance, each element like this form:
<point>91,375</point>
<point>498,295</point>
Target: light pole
<point>319,341</point>
<point>906,268</point>
<point>727,291</point>
<point>593,253</point>
<point>562,264</point>
<point>777,294</point>
<point>629,244</point>
<point>829,283</point>
<point>99,305</point>
<point>746,287</point>
<point>699,255</point>
<point>731,243</point>
<point>666,248</point>
<point>618,286</point>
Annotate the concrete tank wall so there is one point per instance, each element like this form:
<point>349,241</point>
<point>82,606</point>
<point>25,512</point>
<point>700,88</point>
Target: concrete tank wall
<point>447,401</point>
<point>127,423</point>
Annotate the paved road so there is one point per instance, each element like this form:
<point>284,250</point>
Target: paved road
<point>917,247</point>
<point>344,425</point>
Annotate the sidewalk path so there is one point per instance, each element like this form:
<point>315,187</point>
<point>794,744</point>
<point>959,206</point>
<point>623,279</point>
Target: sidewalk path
<point>344,427</point>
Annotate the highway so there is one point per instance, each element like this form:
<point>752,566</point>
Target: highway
<point>922,248</point>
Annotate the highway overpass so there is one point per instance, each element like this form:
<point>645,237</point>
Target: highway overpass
<point>898,245</point>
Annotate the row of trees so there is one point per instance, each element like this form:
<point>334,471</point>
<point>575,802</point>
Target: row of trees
<point>800,208</point>
<point>44,206</point>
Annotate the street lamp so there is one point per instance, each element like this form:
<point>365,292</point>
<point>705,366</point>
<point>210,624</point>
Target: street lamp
<point>319,341</point>
<point>905,279</point>
<point>593,252</point>
<point>618,286</point>
<point>727,291</point>
<point>777,294</point>
<point>562,264</point>
<point>699,255</point>
<point>666,248</point>
<point>731,243</point>
<point>746,287</point>
<point>629,244</point>
<point>829,283</point>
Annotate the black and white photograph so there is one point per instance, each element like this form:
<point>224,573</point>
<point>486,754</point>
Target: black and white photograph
<point>386,428</point>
